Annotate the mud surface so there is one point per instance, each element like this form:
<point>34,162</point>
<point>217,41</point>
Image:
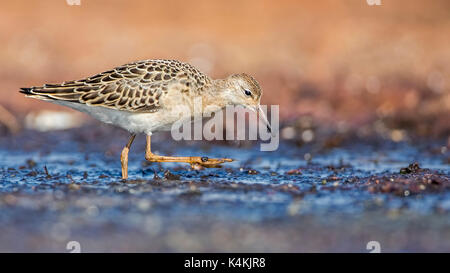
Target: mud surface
<point>65,186</point>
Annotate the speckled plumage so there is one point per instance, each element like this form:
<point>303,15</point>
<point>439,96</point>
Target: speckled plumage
<point>134,87</point>
<point>152,95</point>
<point>145,96</point>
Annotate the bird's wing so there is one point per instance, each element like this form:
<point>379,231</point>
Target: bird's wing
<point>135,87</point>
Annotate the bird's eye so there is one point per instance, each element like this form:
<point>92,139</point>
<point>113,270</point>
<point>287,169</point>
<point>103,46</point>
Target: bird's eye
<point>247,92</point>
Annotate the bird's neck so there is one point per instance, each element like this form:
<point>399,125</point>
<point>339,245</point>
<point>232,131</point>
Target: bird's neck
<point>213,99</point>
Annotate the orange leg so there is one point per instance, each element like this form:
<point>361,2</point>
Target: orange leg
<point>193,160</point>
<point>124,157</point>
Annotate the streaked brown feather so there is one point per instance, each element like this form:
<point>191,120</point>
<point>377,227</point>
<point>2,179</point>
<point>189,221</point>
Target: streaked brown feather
<point>134,87</point>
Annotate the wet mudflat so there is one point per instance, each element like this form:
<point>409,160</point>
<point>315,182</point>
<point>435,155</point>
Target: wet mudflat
<point>57,187</point>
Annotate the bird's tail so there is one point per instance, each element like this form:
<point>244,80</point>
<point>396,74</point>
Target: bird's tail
<point>29,92</point>
<point>25,90</point>
<point>51,92</point>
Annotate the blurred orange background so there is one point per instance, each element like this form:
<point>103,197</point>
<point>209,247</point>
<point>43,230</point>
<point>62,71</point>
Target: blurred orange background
<point>341,62</point>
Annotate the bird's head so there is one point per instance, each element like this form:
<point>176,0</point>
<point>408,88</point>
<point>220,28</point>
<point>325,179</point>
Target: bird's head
<point>243,89</point>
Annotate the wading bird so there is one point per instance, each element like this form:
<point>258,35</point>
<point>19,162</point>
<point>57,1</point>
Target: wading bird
<point>146,97</point>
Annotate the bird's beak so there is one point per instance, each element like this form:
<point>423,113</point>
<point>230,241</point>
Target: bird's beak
<point>262,116</point>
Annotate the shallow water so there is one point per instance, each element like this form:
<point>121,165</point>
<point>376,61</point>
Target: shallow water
<point>257,203</point>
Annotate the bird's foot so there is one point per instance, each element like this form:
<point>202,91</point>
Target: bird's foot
<point>194,161</point>
<point>199,162</point>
